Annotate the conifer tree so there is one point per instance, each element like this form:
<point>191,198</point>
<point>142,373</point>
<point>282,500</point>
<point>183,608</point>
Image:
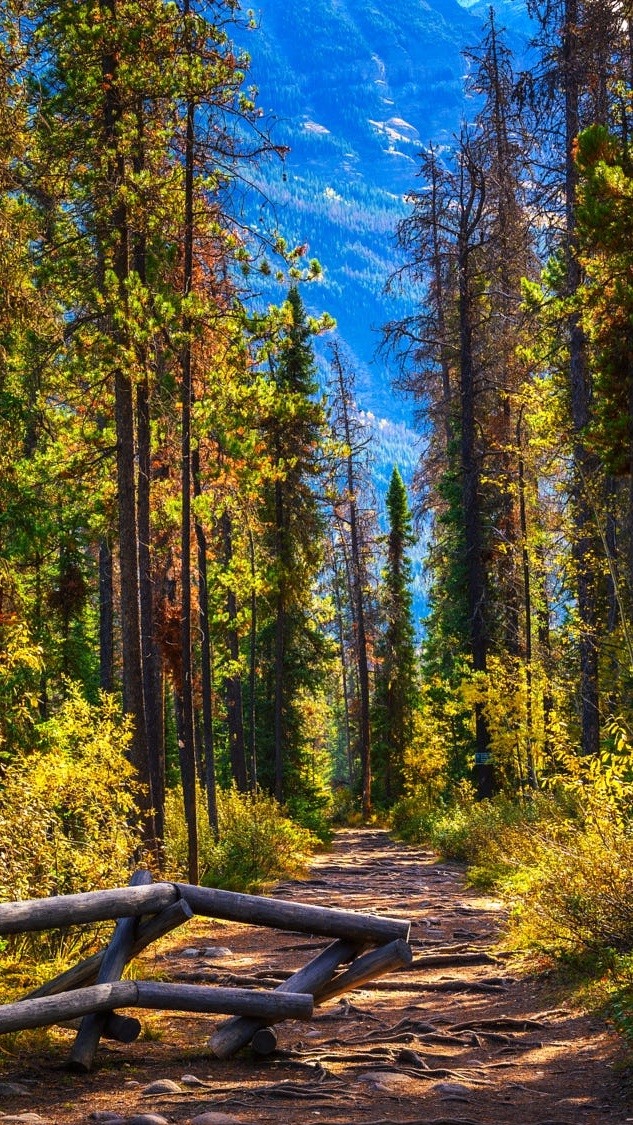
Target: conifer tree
<point>293,521</point>
<point>355,540</point>
<point>396,681</point>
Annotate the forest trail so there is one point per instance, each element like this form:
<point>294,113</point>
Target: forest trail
<point>454,1039</point>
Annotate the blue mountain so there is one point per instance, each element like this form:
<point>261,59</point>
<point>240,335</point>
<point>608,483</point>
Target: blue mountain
<point>355,89</point>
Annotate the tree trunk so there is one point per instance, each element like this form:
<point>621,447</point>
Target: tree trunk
<point>280,614</point>
<point>208,741</point>
<point>106,617</point>
<point>187,749</point>
<point>152,693</point>
<point>471,500</point>
<point>233,682</point>
<point>585,464</point>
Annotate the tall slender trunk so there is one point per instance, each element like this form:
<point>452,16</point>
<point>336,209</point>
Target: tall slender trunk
<point>149,655</point>
<point>527,604</point>
<point>208,741</point>
<point>357,598</point>
<point>116,231</point>
<point>341,639</point>
<point>471,499</point>
<point>187,749</point>
<point>106,616</point>
<point>585,464</point>
<point>233,682</point>
<point>280,620</point>
<point>545,655</point>
<point>252,667</point>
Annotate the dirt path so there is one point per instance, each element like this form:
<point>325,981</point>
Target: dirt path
<point>455,1039</point>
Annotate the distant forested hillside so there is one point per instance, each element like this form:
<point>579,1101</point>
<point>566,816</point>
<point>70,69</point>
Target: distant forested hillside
<point>355,90</point>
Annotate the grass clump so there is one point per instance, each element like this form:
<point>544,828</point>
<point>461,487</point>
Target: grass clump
<point>257,842</point>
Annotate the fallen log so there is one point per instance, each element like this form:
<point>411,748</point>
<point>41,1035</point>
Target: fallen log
<point>115,958</point>
<point>86,971</point>
<point>236,1033</point>
<point>46,1010</point>
<point>89,906</point>
<point>363,929</point>
<point>368,967</point>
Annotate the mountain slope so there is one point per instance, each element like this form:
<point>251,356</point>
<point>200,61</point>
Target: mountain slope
<point>355,90</point>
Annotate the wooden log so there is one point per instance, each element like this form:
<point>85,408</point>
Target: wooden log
<point>115,959</point>
<point>368,967</point>
<point>46,1010</point>
<point>362,929</point>
<point>90,906</point>
<point>292,1005</point>
<point>264,1041</point>
<point>86,971</point>
<point>236,1033</point>
<point>122,1029</point>
<point>55,1009</point>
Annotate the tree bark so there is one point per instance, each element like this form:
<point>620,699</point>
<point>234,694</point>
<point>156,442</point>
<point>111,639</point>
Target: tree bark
<point>106,617</point>
<point>206,660</point>
<point>233,682</point>
<point>584,544</point>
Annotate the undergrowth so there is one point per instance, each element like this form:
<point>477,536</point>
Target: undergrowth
<point>257,842</point>
<point>563,858</point>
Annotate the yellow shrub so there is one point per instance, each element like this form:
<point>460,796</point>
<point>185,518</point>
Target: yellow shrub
<point>65,809</point>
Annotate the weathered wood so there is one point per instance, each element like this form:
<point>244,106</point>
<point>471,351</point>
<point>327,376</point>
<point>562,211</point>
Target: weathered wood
<point>236,1033</point>
<point>55,1009</point>
<point>362,929</point>
<point>46,1010</point>
<point>292,1005</point>
<point>86,971</point>
<point>90,906</point>
<point>368,967</point>
<point>264,1041</point>
<point>115,959</point>
<point>122,1029</point>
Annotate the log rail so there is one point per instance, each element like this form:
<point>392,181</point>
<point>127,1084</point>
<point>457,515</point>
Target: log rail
<point>144,911</point>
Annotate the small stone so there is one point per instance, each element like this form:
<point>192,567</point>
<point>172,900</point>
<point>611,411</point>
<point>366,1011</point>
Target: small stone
<point>131,1084</point>
<point>192,1080</point>
<point>213,1118</point>
<point>384,1082</point>
<point>107,1117</point>
<point>452,1090</point>
<point>13,1089</point>
<point>25,1118</point>
<point>162,1086</point>
<point>190,951</point>
<point>219,952</point>
<point>146,1119</point>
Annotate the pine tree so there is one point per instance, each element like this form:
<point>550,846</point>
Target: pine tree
<point>353,539</point>
<point>293,522</point>
<point>396,681</point>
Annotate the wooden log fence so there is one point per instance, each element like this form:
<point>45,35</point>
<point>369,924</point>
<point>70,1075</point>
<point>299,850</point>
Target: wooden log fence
<point>99,998</point>
<point>87,995</point>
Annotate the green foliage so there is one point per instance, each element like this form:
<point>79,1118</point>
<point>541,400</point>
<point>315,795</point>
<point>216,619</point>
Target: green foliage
<point>66,807</point>
<point>257,843</point>
<point>396,691</point>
